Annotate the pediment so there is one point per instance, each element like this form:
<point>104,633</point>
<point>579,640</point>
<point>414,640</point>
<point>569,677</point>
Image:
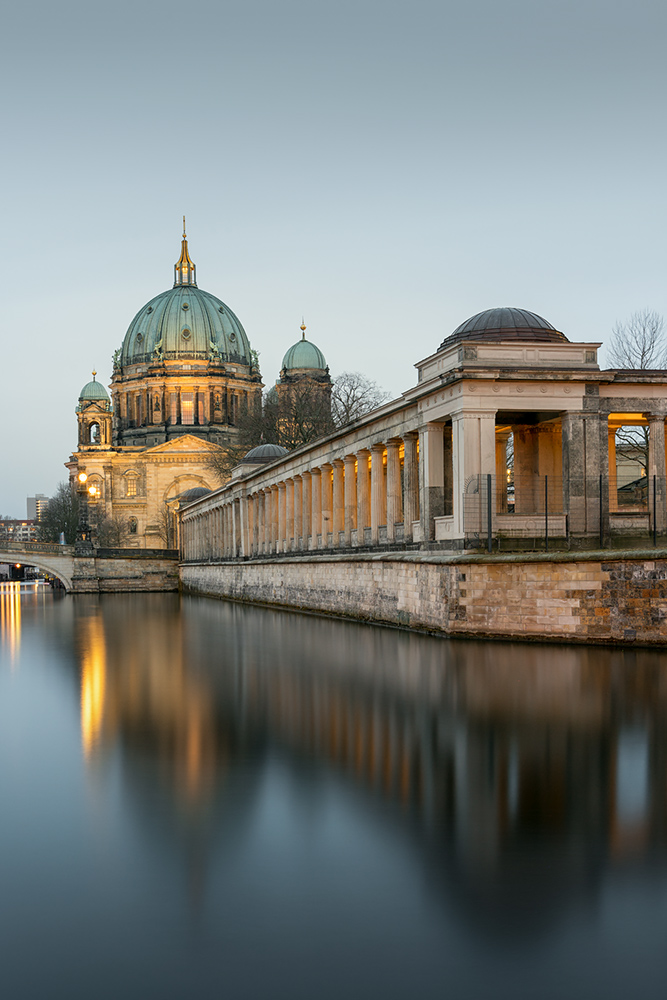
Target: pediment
<point>186,443</point>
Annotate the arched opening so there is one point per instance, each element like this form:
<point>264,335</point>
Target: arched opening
<point>94,434</point>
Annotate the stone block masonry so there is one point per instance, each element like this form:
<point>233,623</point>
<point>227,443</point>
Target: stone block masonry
<point>590,598</point>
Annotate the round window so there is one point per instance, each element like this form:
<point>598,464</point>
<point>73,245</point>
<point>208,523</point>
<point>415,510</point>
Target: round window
<point>185,334</point>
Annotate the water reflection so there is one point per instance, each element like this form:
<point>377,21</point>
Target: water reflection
<point>10,618</point>
<point>521,771</point>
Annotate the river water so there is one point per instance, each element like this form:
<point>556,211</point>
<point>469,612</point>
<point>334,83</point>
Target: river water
<point>201,799</point>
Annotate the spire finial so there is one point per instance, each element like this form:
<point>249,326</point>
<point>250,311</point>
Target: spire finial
<point>94,374</point>
<point>185,272</point>
<point>303,329</point>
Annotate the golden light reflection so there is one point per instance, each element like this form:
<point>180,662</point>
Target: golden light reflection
<point>93,685</point>
<point>10,618</point>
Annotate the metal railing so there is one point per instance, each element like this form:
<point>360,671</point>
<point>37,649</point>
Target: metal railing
<point>543,512</point>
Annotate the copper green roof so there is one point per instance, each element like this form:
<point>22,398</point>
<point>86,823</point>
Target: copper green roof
<point>303,354</point>
<point>93,391</point>
<point>185,323</point>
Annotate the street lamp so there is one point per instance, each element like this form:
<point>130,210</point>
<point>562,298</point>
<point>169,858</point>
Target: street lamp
<point>83,544</point>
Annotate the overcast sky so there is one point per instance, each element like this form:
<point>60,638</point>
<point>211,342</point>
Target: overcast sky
<point>386,169</point>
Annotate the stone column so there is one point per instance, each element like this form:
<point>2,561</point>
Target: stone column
<point>282,517</point>
<point>255,524</point>
<point>350,497</point>
<point>289,514</point>
<point>502,437</point>
<point>410,483</point>
<point>275,514</point>
<point>316,506</point>
<point>656,467</point>
<point>306,505</point>
<point>298,510</point>
<point>327,503</point>
<point>574,472</point>
<point>244,512</point>
<point>268,517</point>
<point>338,500</point>
<point>394,499</point>
<point>613,469</point>
<point>363,495</point>
<point>474,456</point>
<point>378,505</point>
<point>432,478</point>
<point>235,530</point>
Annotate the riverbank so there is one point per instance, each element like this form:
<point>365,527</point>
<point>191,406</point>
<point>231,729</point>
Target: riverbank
<point>593,597</point>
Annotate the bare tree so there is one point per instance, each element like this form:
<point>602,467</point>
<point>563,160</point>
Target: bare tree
<point>61,516</point>
<point>297,417</point>
<point>109,532</point>
<point>353,395</point>
<point>639,342</point>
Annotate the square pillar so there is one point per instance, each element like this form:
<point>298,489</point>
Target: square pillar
<point>473,456</point>
<point>280,547</point>
<point>326,479</point>
<point>298,510</point>
<point>316,506</point>
<point>289,513</point>
<point>410,483</point>
<point>378,504</point>
<point>363,494</point>
<point>350,497</point>
<point>656,467</point>
<point>306,505</point>
<point>394,497</point>
<point>338,499</point>
<point>502,437</point>
<point>432,478</point>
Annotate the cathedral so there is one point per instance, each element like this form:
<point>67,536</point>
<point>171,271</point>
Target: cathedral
<point>182,378</point>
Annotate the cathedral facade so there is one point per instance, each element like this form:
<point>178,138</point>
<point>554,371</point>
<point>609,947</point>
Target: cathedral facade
<point>182,377</point>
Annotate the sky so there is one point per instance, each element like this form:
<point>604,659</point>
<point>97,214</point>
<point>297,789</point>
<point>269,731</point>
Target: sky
<point>383,169</point>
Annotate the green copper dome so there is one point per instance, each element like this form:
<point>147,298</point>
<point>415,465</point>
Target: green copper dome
<point>93,392</point>
<point>185,323</point>
<point>303,354</point>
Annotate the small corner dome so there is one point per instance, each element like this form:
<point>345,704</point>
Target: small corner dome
<point>94,392</point>
<point>304,354</point>
<point>196,493</point>
<point>265,453</point>
<point>505,323</point>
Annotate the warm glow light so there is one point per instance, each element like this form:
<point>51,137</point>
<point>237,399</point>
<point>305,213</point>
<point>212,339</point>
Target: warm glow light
<point>10,617</point>
<point>93,686</point>
<point>82,477</point>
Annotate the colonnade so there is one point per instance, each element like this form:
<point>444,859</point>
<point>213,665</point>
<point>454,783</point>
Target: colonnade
<point>367,497</point>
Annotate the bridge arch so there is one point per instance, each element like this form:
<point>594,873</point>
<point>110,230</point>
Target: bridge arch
<point>58,563</point>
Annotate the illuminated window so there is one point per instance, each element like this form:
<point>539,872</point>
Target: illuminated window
<point>187,408</point>
<point>131,488</point>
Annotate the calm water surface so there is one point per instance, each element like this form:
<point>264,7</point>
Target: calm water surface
<point>205,800</point>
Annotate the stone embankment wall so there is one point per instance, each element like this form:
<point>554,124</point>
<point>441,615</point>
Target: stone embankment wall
<point>126,570</point>
<point>589,598</point>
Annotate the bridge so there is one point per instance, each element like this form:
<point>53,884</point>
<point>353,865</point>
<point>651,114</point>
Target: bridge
<point>98,571</point>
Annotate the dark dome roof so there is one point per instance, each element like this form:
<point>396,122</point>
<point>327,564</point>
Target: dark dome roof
<point>196,493</point>
<point>505,324</point>
<point>265,453</point>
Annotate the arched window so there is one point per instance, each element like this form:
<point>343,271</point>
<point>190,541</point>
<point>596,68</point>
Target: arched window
<point>133,525</point>
<point>131,480</point>
<point>94,434</point>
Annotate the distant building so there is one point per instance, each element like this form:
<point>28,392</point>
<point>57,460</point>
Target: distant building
<point>36,506</point>
<point>18,531</point>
